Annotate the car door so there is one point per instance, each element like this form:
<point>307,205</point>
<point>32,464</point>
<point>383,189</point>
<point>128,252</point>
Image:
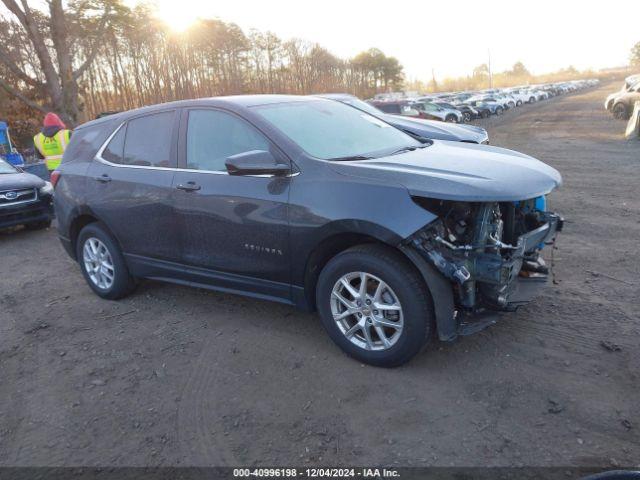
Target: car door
<point>233,229</point>
<point>131,189</point>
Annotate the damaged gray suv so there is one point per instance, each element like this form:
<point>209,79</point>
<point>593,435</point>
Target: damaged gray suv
<point>312,203</point>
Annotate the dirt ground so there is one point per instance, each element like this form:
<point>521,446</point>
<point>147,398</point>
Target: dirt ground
<point>179,376</point>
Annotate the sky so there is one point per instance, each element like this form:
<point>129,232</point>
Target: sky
<point>449,38</point>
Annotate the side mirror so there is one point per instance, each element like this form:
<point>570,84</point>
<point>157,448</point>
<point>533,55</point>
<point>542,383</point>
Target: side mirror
<point>255,162</point>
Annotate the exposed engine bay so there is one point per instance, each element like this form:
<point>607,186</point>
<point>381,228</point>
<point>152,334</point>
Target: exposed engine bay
<point>485,249</point>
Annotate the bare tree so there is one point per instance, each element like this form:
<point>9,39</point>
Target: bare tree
<point>54,75</point>
<point>95,57</point>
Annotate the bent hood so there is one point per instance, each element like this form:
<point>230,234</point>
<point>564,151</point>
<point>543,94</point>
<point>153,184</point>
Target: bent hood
<point>435,130</point>
<point>460,171</point>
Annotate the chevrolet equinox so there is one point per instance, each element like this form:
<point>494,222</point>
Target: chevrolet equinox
<point>313,203</point>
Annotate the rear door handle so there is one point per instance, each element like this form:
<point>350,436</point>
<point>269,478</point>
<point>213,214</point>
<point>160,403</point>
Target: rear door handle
<point>104,178</point>
<point>188,187</point>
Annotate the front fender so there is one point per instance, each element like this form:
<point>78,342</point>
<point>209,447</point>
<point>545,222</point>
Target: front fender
<point>320,209</point>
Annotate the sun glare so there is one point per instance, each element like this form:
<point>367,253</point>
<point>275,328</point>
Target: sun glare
<point>178,16</point>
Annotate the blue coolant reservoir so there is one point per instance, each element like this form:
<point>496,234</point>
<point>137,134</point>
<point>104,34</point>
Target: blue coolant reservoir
<point>541,205</point>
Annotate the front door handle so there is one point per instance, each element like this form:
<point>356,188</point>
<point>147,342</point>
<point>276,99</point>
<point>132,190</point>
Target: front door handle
<point>188,187</point>
<point>104,178</point>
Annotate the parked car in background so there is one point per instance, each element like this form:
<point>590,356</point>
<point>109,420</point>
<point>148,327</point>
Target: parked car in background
<point>621,103</point>
<point>312,203</point>
<point>405,108</point>
<point>507,100</point>
<point>520,96</point>
<point>482,103</point>
<point>24,198</point>
<point>419,128</point>
<point>446,114</point>
<point>468,112</point>
<point>483,110</point>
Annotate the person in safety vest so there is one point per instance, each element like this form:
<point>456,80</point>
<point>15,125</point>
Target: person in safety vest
<point>52,141</point>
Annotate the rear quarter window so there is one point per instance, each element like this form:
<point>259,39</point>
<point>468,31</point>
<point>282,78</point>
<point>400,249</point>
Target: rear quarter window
<point>85,142</point>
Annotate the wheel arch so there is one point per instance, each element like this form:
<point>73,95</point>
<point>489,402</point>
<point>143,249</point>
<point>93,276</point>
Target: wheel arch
<point>82,219</point>
<point>324,251</point>
<point>75,227</point>
<point>438,287</point>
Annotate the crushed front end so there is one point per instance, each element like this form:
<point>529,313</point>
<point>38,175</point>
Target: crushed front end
<point>490,252</point>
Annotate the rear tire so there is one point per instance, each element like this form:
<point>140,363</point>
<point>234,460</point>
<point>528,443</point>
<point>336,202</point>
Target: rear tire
<point>519,103</point>
<point>499,111</point>
<point>466,117</point>
<point>102,263</point>
<point>403,305</point>
<point>485,114</point>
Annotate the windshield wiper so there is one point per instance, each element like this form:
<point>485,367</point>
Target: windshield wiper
<point>410,148</point>
<point>350,157</point>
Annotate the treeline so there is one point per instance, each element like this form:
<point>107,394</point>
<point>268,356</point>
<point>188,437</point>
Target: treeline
<point>137,60</point>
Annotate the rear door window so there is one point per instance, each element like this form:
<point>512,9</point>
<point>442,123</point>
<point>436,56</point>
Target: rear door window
<point>148,141</point>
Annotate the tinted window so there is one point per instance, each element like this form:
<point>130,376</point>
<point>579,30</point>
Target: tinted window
<point>86,141</point>
<point>389,108</point>
<point>148,140</point>
<point>212,136</point>
<point>114,150</point>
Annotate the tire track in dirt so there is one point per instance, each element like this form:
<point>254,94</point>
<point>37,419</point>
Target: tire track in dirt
<point>198,423</point>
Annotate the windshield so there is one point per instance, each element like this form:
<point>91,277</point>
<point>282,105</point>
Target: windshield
<point>6,168</point>
<point>331,130</point>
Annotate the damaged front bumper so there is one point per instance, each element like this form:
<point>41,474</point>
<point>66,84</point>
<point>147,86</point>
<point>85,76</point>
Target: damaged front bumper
<point>488,273</point>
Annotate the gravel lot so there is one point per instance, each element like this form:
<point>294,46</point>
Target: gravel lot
<point>178,376</point>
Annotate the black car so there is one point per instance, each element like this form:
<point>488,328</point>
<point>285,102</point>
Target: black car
<point>312,203</point>
<point>24,199</point>
<point>418,127</point>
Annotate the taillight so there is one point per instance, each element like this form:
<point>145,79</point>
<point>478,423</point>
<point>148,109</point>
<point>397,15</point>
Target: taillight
<point>55,176</point>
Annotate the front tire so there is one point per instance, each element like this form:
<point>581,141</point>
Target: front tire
<point>102,263</point>
<point>499,111</point>
<point>620,112</point>
<point>451,119</point>
<point>375,305</point>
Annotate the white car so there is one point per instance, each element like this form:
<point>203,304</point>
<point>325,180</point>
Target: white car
<point>520,95</point>
<point>437,111</point>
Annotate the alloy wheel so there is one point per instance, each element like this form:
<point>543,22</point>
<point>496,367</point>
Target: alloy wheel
<point>367,311</point>
<point>98,263</point>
